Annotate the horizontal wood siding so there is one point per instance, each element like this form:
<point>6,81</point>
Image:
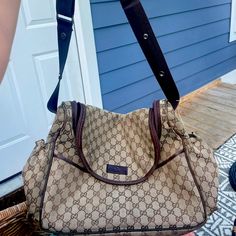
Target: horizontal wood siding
<point>194,36</point>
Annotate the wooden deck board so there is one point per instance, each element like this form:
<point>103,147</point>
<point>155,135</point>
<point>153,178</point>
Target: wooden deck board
<point>213,105</point>
<point>226,90</point>
<point>211,113</point>
<point>222,95</point>
<point>208,121</point>
<point>230,86</point>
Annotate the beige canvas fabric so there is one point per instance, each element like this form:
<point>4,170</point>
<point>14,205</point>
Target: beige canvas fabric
<point>169,188</point>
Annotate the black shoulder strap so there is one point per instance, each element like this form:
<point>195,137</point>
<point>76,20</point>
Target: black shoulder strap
<point>151,49</point>
<point>65,14</point>
<point>144,34</point>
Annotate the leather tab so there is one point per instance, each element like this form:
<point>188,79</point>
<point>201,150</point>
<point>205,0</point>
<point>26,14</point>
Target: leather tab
<point>65,7</point>
<point>115,169</point>
<point>64,30</point>
<point>53,100</point>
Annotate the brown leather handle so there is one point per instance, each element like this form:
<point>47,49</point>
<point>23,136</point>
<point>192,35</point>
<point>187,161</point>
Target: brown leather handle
<point>154,126</point>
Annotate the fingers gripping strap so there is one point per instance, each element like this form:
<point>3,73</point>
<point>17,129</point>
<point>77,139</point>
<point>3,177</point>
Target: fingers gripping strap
<point>144,34</point>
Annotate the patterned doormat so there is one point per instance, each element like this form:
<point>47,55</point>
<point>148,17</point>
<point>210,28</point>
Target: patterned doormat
<point>221,222</point>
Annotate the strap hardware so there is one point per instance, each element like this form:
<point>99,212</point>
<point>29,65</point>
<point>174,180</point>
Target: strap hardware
<point>161,73</point>
<point>63,35</point>
<point>145,36</point>
<point>64,18</point>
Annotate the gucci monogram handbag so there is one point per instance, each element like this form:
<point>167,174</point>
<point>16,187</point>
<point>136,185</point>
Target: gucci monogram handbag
<point>101,172</point>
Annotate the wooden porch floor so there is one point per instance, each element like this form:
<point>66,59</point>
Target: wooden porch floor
<point>211,112</point>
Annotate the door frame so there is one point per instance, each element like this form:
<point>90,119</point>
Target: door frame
<point>84,33</point>
<point>232,36</point>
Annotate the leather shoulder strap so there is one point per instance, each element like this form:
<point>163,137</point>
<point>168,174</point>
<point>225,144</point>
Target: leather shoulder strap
<point>144,34</point>
<point>65,14</point>
<point>151,49</point>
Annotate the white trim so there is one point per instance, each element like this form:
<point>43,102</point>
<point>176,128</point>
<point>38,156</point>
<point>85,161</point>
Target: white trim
<point>229,78</point>
<point>232,36</point>
<point>87,53</point>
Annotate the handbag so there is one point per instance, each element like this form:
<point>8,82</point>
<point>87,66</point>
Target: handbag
<point>101,172</point>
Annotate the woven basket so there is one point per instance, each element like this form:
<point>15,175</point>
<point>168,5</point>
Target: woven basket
<point>14,222</point>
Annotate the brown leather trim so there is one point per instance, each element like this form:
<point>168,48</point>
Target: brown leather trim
<point>189,165</point>
<point>157,117</point>
<point>154,137</point>
<point>74,109</point>
<point>197,185</point>
<point>60,157</point>
<point>53,143</point>
<point>80,125</point>
<point>170,158</point>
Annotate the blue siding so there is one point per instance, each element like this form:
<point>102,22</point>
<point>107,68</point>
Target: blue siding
<point>192,34</point>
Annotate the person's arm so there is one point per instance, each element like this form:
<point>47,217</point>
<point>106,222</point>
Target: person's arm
<point>8,18</point>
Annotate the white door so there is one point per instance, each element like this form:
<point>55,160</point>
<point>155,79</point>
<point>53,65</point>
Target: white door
<point>31,77</point>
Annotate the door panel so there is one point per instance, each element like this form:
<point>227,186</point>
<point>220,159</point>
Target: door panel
<point>29,81</point>
<point>37,12</point>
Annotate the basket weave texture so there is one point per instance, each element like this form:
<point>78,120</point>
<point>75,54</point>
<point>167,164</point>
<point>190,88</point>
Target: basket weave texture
<point>14,222</point>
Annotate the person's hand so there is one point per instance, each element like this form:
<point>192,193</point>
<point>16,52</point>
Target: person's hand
<point>8,17</point>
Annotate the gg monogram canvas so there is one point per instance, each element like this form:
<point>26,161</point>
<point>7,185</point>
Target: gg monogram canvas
<point>123,174</point>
